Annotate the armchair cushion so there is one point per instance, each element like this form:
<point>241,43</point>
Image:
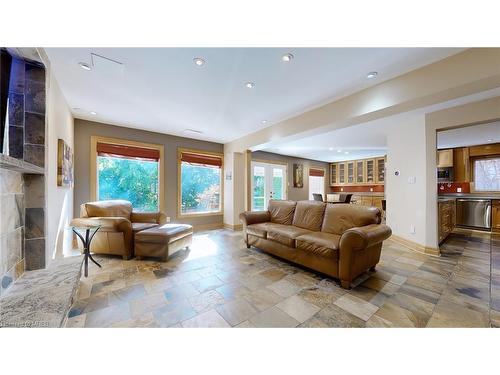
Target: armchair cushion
<point>110,208</point>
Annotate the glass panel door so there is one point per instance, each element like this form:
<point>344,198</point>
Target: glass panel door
<point>268,182</point>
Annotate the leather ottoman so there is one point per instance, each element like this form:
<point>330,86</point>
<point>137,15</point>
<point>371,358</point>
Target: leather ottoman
<point>162,241</point>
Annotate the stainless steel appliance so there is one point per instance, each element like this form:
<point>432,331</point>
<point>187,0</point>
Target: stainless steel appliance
<point>445,174</point>
<point>474,213</point>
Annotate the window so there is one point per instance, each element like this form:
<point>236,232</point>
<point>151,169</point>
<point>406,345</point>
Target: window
<point>316,182</point>
<point>200,183</point>
<point>127,170</point>
<point>487,174</point>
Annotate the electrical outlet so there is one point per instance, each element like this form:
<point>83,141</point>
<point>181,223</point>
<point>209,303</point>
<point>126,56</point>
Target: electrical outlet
<point>168,219</point>
<point>412,229</point>
<point>459,190</point>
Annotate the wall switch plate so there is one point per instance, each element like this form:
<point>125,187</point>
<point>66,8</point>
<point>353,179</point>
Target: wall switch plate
<point>168,219</point>
<point>412,179</point>
<point>412,229</point>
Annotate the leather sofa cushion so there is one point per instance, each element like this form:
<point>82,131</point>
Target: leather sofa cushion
<point>309,215</point>
<point>260,229</point>
<point>319,243</point>
<point>111,208</point>
<point>285,234</point>
<point>164,234</point>
<point>281,211</point>
<point>341,217</point>
<point>136,227</point>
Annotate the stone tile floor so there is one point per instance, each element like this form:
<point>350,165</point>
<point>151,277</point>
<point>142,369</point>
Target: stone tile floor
<point>221,283</point>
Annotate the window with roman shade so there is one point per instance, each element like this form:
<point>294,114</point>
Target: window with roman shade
<point>316,182</point>
<point>200,183</point>
<point>129,171</point>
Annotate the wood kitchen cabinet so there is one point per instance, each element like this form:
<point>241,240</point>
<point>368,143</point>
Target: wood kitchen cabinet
<point>380,163</point>
<point>360,172</point>
<point>495,215</point>
<point>341,178</point>
<point>370,171</point>
<point>446,218</point>
<point>445,158</point>
<point>333,173</point>
<point>350,172</point>
<point>461,165</point>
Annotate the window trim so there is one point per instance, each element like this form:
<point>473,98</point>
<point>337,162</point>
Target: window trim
<point>180,150</point>
<point>94,139</point>
<point>473,173</point>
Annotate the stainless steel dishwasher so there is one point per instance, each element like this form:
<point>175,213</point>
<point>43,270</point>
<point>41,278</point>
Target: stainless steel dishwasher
<point>474,213</point>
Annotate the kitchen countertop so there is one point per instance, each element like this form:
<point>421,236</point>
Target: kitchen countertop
<point>469,195</point>
<point>365,193</point>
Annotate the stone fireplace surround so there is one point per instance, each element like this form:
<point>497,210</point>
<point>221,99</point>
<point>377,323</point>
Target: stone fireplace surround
<point>22,175</point>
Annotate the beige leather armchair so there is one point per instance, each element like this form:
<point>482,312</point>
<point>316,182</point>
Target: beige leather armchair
<point>118,225</point>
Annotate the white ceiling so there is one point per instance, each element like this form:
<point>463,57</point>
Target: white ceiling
<point>162,90</point>
<point>370,139</point>
<point>469,136</point>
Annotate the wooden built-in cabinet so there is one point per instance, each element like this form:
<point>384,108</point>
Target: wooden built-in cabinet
<point>446,218</point>
<point>368,200</point>
<point>495,215</point>
<point>445,158</point>
<point>358,172</point>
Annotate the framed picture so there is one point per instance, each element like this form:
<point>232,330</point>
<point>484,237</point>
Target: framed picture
<point>298,176</point>
<point>64,164</point>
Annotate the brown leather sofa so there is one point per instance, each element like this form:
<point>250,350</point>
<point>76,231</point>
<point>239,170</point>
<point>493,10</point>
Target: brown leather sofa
<point>339,240</point>
<point>119,224</point>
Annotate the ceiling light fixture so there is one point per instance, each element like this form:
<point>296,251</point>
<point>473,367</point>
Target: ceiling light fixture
<point>264,122</point>
<point>93,113</point>
<point>372,75</point>
<point>339,150</point>
<point>287,57</point>
<point>347,152</point>
<point>490,140</point>
<point>330,148</point>
<point>84,66</point>
<point>249,85</point>
<point>199,61</point>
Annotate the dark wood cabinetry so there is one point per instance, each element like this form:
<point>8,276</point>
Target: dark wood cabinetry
<point>446,218</point>
<point>495,215</point>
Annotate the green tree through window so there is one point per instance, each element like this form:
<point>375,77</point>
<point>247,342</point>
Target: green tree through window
<point>129,179</point>
<point>200,188</point>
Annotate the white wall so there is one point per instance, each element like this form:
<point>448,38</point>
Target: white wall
<point>406,202</point>
<point>234,189</point>
<point>59,209</point>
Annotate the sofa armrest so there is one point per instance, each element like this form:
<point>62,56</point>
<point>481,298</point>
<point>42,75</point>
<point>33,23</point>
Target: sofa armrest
<point>362,237</point>
<point>117,224</point>
<point>254,217</point>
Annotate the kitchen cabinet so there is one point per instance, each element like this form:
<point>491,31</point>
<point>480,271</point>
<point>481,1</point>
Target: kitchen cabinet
<point>360,172</point>
<point>380,162</point>
<point>341,178</point>
<point>461,165</point>
<point>445,158</point>
<point>495,215</point>
<point>446,218</point>
<point>370,171</point>
<point>333,173</point>
<point>350,172</point>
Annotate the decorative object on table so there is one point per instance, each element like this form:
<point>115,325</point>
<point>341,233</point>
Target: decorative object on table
<point>298,176</point>
<point>64,164</point>
<point>86,239</point>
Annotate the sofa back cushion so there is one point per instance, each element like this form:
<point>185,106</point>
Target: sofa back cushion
<point>341,217</point>
<point>309,215</point>
<point>111,208</point>
<point>281,211</point>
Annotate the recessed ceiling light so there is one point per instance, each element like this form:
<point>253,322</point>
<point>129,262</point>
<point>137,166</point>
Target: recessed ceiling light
<point>264,121</point>
<point>372,75</point>
<point>249,85</point>
<point>346,152</point>
<point>93,113</point>
<point>287,57</point>
<point>199,61</point>
<point>330,148</point>
<point>490,140</point>
<point>84,66</point>
<point>339,150</point>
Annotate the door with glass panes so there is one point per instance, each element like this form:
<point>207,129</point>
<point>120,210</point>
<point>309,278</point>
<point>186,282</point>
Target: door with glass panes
<point>268,182</point>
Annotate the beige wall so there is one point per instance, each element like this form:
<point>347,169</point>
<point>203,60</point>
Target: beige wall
<point>85,129</point>
<point>295,194</point>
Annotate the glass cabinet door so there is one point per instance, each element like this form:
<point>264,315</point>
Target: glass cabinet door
<point>360,172</point>
<point>350,172</point>
<point>341,178</point>
<point>370,171</point>
<point>380,170</point>
<point>333,174</point>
